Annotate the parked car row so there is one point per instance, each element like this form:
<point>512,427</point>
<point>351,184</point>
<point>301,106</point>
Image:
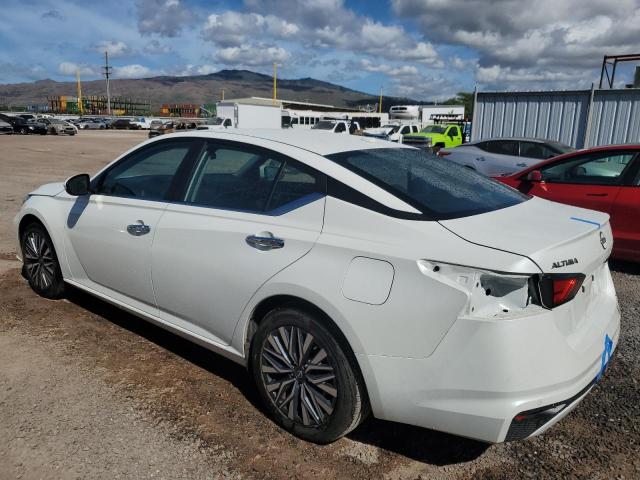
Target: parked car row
<point>40,126</point>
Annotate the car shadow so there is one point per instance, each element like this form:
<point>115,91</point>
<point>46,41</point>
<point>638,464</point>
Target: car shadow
<point>624,267</point>
<point>419,444</point>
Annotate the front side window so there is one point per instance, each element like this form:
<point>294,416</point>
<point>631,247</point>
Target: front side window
<point>146,174</point>
<point>453,132</point>
<point>249,179</point>
<point>439,188</point>
<point>340,128</point>
<point>594,169</point>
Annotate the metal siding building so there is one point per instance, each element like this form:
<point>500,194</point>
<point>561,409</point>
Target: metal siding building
<point>581,118</point>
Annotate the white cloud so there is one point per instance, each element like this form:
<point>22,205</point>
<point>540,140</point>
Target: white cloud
<point>115,49</point>
<point>545,42</point>
<point>70,68</point>
<point>232,28</point>
<point>163,17</point>
<point>131,71</point>
<point>154,47</point>
<point>252,55</point>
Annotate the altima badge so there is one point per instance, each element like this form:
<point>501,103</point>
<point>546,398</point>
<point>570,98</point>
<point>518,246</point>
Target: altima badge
<point>564,263</point>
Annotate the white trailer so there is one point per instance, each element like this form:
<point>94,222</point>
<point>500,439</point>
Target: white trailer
<point>423,114</point>
<point>245,115</point>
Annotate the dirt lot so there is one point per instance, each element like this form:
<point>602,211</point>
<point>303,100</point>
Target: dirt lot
<point>88,391</point>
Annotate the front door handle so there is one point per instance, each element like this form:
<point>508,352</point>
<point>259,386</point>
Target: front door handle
<point>138,229</point>
<point>597,194</point>
<point>264,241</point>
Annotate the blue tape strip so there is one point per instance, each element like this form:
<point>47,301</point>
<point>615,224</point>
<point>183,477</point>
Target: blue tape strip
<point>586,221</point>
<point>606,355</point>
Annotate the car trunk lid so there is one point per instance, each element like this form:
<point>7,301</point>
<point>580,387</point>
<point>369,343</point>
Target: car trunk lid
<point>558,238</point>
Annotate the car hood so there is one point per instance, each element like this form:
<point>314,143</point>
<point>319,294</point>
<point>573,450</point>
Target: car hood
<point>49,189</point>
<point>558,238</point>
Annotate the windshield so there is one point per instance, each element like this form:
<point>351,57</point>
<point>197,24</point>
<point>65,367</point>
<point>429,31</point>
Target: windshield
<point>434,129</point>
<point>433,185</point>
<point>215,121</point>
<point>324,125</point>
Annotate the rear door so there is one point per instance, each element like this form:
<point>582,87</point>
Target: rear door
<point>590,180</point>
<point>625,215</point>
<point>502,157</point>
<point>246,214</point>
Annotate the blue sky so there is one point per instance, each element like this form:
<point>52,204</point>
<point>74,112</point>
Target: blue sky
<point>424,49</point>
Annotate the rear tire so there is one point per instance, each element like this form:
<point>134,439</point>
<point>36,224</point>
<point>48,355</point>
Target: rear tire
<point>40,262</point>
<point>307,381</point>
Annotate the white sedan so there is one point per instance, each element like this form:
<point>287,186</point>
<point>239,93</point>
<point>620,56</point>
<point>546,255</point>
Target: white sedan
<point>504,156</point>
<point>350,275</point>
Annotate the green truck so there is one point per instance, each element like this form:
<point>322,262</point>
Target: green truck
<point>435,137</point>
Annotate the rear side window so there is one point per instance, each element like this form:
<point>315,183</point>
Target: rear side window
<point>502,147</point>
<point>235,179</point>
<point>536,150</point>
<point>340,128</point>
<point>296,183</point>
<point>252,180</point>
<point>439,188</point>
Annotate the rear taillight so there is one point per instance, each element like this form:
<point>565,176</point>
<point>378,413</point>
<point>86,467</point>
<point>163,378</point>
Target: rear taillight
<point>558,288</point>
<point>443,154</point>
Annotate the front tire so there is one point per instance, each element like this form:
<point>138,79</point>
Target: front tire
<point>40,262</point>
<point>307,380</point>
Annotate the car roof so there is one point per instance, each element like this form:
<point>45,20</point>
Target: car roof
<point>517,139</point>
<point>316,141</point>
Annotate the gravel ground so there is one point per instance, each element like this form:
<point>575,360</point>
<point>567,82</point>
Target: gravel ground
<point>88,391</point>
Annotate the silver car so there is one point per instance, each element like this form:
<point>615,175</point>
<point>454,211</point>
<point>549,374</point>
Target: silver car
<point>500,156</point>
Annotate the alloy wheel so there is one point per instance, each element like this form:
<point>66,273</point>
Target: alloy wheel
<point>299,376</point>
<point>39,260</point>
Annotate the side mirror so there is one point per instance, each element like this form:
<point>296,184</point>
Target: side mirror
<point>534,176</point>
<point>77,185</point>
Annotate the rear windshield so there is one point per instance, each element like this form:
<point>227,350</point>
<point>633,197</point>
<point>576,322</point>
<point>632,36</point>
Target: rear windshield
<point>324,125</point>
<point>437,187</point>
<point>561,147</point>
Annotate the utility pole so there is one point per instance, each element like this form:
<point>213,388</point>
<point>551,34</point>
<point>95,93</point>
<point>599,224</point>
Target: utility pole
<point>107,73</point>
<point>380,102</point>
<point>222,94</point>
<point>275,77</point>
<point>80,106</point>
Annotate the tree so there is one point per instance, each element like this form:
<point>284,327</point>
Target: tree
<point>462,98</point>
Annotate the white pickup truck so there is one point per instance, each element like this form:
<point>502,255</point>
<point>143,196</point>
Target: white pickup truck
<point>392,131</point>
<point>337,126</point>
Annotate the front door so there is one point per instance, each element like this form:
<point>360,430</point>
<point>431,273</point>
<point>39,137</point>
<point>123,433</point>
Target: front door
<point>111,231</point>
<point>589,181</point>
<point>247,214</point>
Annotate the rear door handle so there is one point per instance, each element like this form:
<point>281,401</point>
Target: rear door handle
<point>138,229</point>
<point>597,194</point>
<point>264,241</point>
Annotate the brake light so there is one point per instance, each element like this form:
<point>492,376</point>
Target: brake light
<point>565,289</point>
<point>557,289</point>
<point>443,154</point>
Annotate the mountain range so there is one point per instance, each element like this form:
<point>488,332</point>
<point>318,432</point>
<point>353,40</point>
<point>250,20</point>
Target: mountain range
<point>198,89</point>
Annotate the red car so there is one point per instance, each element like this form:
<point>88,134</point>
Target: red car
<point>600,178</point>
